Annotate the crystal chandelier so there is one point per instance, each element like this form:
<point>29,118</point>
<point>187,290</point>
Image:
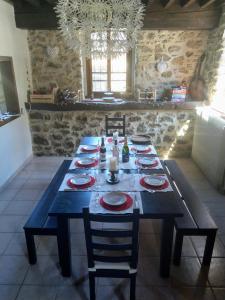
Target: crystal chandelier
<point>100,27</point>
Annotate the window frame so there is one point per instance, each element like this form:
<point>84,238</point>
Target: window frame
<point>12,99</point>
<point>97,94</point>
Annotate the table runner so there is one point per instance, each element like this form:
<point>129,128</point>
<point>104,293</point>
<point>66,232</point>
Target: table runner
<point>128,183</point>
<point>96,208</point>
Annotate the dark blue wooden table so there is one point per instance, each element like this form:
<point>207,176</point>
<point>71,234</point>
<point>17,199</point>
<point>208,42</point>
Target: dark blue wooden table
<point>166,206</point>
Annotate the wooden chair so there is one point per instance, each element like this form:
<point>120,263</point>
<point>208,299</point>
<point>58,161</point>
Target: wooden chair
<point>111,258</point>
<point>113,124</point>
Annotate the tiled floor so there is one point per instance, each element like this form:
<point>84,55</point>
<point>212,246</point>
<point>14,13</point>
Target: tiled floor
<point>19,280</point>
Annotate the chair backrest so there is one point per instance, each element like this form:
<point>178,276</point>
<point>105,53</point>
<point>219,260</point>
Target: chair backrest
<point>115,123</point>
<point>109,251</point>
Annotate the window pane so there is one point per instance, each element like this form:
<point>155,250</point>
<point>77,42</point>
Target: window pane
<point>118,76</point>
<point>99,65</point>
<point>119,64</point>
<point>99,76</point>
<point>118,86</point>
<point>99,86</point>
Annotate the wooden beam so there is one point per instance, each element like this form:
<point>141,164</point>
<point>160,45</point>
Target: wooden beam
<point>35,3</point>
<point>167,3</point>
<point>186,3</point>
<point>201,20</point>
<point>205,3</point>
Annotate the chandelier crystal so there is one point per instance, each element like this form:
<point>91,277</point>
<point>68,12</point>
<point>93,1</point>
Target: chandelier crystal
<point>100,27</point>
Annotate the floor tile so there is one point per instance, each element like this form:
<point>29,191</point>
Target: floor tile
<point>76,226</point>
<point>13,269</point>
<point>8,194</point>
<point>19,208</point>
<point>28,195</point>
<point>217,272</point>
<point>74,292</point>
<point>47,245</point>
<point>148,272</point>
<point>3,205</point>
<point>4,241</point>
<point>8,292</point>
<point>150,226</point>
<point>28,292</point>
<point>121,291</point>
<point>187,293</point>
<point>45,272</point>
<point>37,183</point>
<point>219,293</point>
<point>11,223</point>
<point>199,245</point>
<point>17,245</point>
<point>17,182</point>
<point>189,273</point>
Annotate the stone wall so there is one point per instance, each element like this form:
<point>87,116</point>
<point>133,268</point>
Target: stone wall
<point>180,49</point>
<point>214,73</point>
<point>64,69</point>
<point>58,133</point>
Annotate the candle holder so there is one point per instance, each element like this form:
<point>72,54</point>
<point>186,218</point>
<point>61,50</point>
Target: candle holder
<point>113,179</point>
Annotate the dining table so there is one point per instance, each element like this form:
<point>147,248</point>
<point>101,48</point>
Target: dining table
<point>155,205</point>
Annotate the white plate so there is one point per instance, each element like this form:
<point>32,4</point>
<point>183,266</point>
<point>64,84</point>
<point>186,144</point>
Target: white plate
<point>90,147</point>
<point>114,198</point>
<point>147,161</point>
<point>141,148</point>
<point>86,161</point>
<point>80,179</point>
<point>154,180</point>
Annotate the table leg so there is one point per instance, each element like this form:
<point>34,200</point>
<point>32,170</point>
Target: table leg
<point>166,247</point>
<point>64,246</point>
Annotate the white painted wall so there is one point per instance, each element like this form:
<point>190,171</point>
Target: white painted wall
<point>15,139</point>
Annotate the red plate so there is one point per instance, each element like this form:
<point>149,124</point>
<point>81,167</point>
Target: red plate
<point>110,140</point>
<point>83,186</point>
<point>90,151</point>
<point>126,205</point>
<point>147,186</point>
<point>142,151</point>
<point>147,166</point>
<point>94,164</point>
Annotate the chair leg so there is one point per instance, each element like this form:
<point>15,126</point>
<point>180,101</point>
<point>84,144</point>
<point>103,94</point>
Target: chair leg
<point>210,240</point>
<point>132,287</point>
<point>31,249</point>
<point>92,285</point>
<point>178,248</point>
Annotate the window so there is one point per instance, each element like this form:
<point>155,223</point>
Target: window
<point>109,74</point>
<point>8,93</point>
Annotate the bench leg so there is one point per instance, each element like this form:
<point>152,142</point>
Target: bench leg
<point>178,248</point>
<point>210,240</point>
<point>31,249</point>
<point>133,287</point>
<point>92,286</point>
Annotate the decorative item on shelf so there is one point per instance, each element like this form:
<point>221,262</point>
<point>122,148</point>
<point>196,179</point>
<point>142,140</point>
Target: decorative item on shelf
<point>86,24</point>
<point>44,96</point>
<point>162,66</point>
<point>179,93</point>
<point>52,52</point>
<point>68,96</point>
<point>147,94</point>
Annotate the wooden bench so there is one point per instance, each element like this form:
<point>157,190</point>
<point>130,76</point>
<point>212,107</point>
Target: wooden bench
<point>196,220</point>
<point>39,223</point>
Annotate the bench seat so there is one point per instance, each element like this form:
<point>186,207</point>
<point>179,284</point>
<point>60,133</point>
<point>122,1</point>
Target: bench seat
<point>196,221</point>
<point>40,223</point>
